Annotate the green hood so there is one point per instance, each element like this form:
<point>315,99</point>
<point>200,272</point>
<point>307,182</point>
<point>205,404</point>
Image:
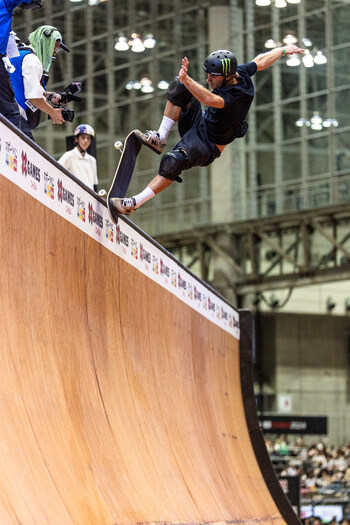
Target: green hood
<point>43,45</point>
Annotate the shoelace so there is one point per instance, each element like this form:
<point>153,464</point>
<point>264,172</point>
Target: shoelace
<point>129,202</point>
<point>151,134</point>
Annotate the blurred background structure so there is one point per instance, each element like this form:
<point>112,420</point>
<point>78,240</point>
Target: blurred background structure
<point>267,224</point>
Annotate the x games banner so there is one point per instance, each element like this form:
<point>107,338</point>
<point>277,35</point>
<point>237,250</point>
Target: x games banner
<point>34,173</point>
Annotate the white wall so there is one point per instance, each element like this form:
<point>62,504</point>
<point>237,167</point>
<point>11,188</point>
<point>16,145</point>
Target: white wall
<point>308,358</point>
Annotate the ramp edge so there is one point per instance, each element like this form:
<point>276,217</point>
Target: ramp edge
<point>255,431</point>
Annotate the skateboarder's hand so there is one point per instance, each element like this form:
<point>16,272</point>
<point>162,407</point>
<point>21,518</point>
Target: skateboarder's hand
<point>290,50</point>
<point>56,116</point>
<point>183,70</point>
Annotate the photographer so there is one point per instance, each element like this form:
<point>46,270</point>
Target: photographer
<point>28,82</point>
<point>8,106</point>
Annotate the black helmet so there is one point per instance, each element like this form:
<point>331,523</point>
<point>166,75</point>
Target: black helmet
<point>221,62</point>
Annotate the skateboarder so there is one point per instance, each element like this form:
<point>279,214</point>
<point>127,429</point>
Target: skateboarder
<point>203,135</point>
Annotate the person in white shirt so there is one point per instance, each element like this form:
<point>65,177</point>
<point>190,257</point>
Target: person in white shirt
<point>78,161</point>
<point>28,81</point>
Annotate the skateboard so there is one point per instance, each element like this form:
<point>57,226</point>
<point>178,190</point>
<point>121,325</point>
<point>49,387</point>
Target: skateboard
<point>119,187</point>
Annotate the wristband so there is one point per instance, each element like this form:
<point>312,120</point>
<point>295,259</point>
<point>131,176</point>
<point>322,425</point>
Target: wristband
<point>284,51</point>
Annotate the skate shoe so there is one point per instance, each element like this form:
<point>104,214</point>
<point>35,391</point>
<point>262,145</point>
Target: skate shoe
<point>150,139</point>
<point>126,206</point>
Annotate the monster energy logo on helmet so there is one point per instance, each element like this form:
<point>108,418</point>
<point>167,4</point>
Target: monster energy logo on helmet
<point>226,65</point>
<point>221,62</point>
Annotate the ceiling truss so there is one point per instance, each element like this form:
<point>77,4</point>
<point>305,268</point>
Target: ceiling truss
<point>283,251</point>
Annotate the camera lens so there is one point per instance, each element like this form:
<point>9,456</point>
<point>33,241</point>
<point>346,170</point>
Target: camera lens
<point>68,114</point>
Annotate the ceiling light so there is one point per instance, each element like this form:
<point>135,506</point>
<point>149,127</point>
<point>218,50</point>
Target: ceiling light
<point>320,58</point>
<point>121,44</point>
<point>132,85</point>
<point>146,84</point>
<point>308,60</point>
<point>302,122</point>
<point>316,121</point>
<point>163,84</point>
<point>145,81</point>
<point>293,61</point>
<point>280,3</point>
<point>262,3</point>
<point>328,122</point>
<point>147,89</point>
<point>270,44</point>
<point>290,39</point>
<point>137,45</point>
<point>306,41</point>
<point>149,42</point>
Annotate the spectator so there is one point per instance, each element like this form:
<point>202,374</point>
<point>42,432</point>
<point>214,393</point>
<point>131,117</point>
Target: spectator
<point>8,106</point>
<point>324,479</point>
<point>28,81</point>
<point>78,161</point>
<point>322,466</point>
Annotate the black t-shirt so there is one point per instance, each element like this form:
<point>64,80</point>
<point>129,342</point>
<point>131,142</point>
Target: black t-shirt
<point>228,123</point>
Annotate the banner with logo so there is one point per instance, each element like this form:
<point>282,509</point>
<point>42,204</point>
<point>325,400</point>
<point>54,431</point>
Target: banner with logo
<point>34,173</point>
<point>317,425</point>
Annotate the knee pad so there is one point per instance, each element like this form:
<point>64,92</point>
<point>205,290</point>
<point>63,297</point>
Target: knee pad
<point>178,94</point>
<point>172,164</point>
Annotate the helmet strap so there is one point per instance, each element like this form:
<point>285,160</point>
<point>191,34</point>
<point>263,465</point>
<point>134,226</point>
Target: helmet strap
<point>227,79</point>
<point>77,145</point>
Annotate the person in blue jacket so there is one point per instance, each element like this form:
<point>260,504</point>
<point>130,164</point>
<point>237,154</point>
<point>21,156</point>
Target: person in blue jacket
<point>28,80</point>
<point>8,105</point>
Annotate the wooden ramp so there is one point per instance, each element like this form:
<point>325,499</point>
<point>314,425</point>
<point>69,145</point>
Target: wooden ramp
<point>119,403</point>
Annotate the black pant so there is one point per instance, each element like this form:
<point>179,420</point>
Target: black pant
<point>8,104</point>
<point>24,127</point>
<point>194,149</point>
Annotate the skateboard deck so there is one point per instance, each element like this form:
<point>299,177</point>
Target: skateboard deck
<point>124,171</point>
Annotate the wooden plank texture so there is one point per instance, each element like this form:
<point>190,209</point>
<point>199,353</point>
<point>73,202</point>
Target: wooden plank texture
<point>118,403</point>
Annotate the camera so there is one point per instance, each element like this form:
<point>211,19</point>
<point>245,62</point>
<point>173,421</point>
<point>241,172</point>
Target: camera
<point>68,114</point>
<point>68,95</point>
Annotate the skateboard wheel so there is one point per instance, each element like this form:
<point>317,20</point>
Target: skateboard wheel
<point>118,144</point>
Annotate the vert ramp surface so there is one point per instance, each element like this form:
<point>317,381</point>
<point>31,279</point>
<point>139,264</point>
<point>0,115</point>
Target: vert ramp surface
<point>120,393</point>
